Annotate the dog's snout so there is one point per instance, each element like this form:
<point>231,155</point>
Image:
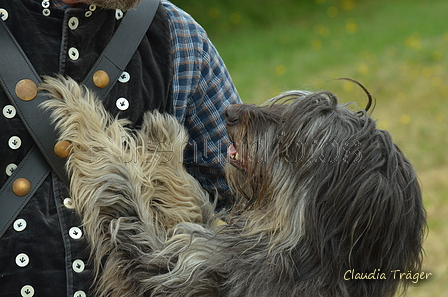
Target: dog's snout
<point>231,115</point>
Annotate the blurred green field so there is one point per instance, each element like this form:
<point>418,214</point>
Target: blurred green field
<point>398,49</point>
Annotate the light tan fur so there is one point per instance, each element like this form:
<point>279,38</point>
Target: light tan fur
<point>123,179</point>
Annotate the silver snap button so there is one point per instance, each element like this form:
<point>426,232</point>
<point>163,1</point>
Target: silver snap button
<point>75,233</point>
<point>10,169</point>
<point>27,291</point>
<point>79,294</point>
<point>19,225</point>
<point>78,266</point>
<point>14,142</point>
<point>22,260</point>
<point>45,3</point>
<point>118,14</point>
<point>73,23</point>
<point>9,111</point>
<point>68,203</point>
<point>124,77</point>
<point>73,53</point>
<point>46,12</point>
<point>3,14</point>
<point>122,104</point>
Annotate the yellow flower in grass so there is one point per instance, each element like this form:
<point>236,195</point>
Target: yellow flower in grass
<point>351,27</point>
<point>405,119</point>
<point>280,69</point>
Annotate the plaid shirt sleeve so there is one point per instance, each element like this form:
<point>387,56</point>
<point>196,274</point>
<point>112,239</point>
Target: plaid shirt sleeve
<point>202,89</point>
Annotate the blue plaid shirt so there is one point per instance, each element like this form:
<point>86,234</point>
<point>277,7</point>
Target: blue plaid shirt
<point>202,90</point>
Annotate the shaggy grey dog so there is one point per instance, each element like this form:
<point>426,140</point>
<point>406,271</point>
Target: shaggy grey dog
<point>327,200</point>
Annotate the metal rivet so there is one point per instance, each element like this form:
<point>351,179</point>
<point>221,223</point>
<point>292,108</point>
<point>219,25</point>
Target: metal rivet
<point>62,149</point>
<point>101,79</point>
<point>21,186</point>
<point>26,89</point>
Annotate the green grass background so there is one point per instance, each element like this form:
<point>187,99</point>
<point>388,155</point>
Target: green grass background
<point>398,49</point>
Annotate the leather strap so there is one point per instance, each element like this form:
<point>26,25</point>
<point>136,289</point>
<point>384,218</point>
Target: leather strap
<point>16,66</point>
<point>35,169</point>
<point>115,57</point>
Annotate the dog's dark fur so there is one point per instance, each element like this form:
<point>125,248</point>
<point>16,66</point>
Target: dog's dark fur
<point>323,192</point>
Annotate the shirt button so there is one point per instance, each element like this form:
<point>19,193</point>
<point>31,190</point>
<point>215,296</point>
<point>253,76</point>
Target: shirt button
<point>68,203</point>
<point>92,7</point>
<point>88,13</point>
<point>73,53</point>
<point>73,23</point>
<point>10,169</point>
<point>78,266</point>
<point>79,294</point>
<point>124,77</point>
<point>9,111</point>
<point>27,291</point>
<point>118,14</point>
<point>19,225</point>
<point>14,142</point>
<point>46,12</point>
<point>3,14</point>
<point>75,233</point>
<point>22,260</point>
<point>122,104</point>
<point>45,3</point>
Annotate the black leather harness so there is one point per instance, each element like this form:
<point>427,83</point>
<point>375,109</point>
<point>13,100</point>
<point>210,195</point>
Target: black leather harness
<point>15,66</point>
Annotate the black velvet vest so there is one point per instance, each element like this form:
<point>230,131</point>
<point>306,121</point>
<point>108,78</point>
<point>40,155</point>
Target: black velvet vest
<point>48,241</point>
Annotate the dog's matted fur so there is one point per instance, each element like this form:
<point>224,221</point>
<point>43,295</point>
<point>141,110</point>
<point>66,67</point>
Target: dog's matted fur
<point>325,196</point>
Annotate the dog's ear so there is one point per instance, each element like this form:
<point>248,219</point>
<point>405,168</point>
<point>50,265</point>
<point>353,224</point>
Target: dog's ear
<point>368,213</point>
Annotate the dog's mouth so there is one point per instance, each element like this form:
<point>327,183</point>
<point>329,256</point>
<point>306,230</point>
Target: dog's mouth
<point>235,159</point>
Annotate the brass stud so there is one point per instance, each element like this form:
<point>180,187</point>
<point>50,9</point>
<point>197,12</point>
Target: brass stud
<point>21,186</point>
<point>101,79</point>
<point>26,89</point>
<point>62,149</point>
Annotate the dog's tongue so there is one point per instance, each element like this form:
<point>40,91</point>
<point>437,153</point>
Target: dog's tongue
<point>231,150</point>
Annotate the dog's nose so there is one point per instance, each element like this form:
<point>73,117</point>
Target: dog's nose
<point>231,114</point>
